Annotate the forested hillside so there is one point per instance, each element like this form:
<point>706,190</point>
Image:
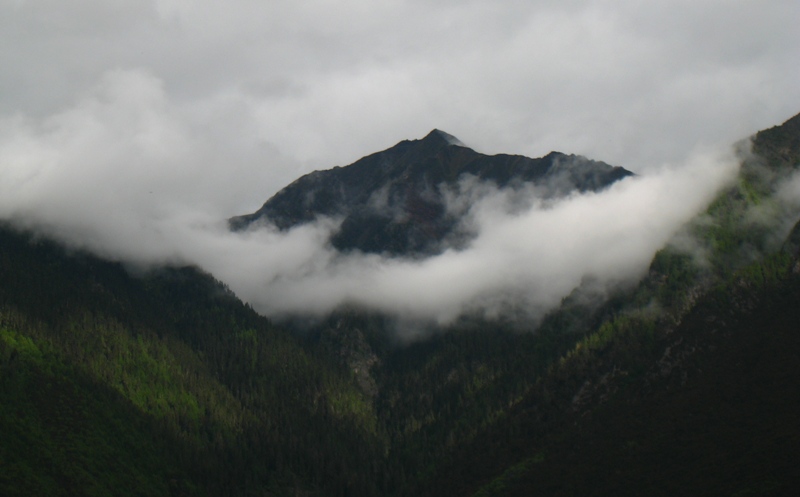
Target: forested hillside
<point>686,386</point>
<point>163,383</point>
<point>125,380</point>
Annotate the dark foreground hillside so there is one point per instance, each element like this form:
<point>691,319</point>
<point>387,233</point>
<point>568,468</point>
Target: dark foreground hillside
<point>112,402</point>
<point>711,410</point>
<point>717,415</point>
<point>698,398</point>
<point>163,384</point>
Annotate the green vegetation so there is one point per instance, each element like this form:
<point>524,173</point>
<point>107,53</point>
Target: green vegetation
<point>65,434</point>
<point>620,347</point>
<point>501,485</point>
<point>163,384</point>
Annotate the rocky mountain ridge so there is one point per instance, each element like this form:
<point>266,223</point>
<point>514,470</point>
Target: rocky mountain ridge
<point>395,202</point>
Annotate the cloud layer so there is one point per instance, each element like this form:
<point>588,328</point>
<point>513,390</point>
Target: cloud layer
<point>531,258</point>
<point>110,174</point>
<point>135,129</point>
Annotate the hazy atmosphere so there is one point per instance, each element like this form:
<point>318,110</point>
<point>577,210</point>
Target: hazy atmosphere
<point>135,129</point>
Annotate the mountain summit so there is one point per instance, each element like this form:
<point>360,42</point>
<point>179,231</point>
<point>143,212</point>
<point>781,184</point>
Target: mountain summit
<point>394,201</point>
<point>438,135</point>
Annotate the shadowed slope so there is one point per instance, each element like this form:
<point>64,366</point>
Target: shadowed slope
<point>393,201</point>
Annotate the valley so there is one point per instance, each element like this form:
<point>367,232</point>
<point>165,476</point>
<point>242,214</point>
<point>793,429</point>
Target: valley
<point>122,380</point>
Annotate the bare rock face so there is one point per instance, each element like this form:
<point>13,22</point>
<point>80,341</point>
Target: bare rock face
<point>395,201</point>
<point>345,340</point>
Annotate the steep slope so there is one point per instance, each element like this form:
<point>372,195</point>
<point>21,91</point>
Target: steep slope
<point>692,399</point>
<point>163,384</point>
<point>711,409</point>
<point>394,201</point>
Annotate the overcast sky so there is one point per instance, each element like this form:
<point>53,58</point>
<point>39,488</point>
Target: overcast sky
<point>122,120</point>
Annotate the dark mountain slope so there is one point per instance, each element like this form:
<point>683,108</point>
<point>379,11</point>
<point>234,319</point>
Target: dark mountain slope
<point>779,145</point>
<point>704,384</point>
<point>393,202</point>
<point>715,415</point>
<point>163,384</point>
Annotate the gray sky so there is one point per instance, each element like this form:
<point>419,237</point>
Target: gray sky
<point>133,128</point>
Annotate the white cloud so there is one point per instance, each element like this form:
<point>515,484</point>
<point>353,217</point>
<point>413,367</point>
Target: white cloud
<point>136,128</point>
<point>122,164</point>
<point>534,257</point>
<point>631,83</point>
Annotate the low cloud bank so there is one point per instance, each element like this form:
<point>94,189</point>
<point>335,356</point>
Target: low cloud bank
<point>531,258</point>
<point>118,174</point>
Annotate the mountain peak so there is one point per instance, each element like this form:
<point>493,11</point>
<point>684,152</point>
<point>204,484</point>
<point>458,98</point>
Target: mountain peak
<point>393,201</point>
<point>437,135</point>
